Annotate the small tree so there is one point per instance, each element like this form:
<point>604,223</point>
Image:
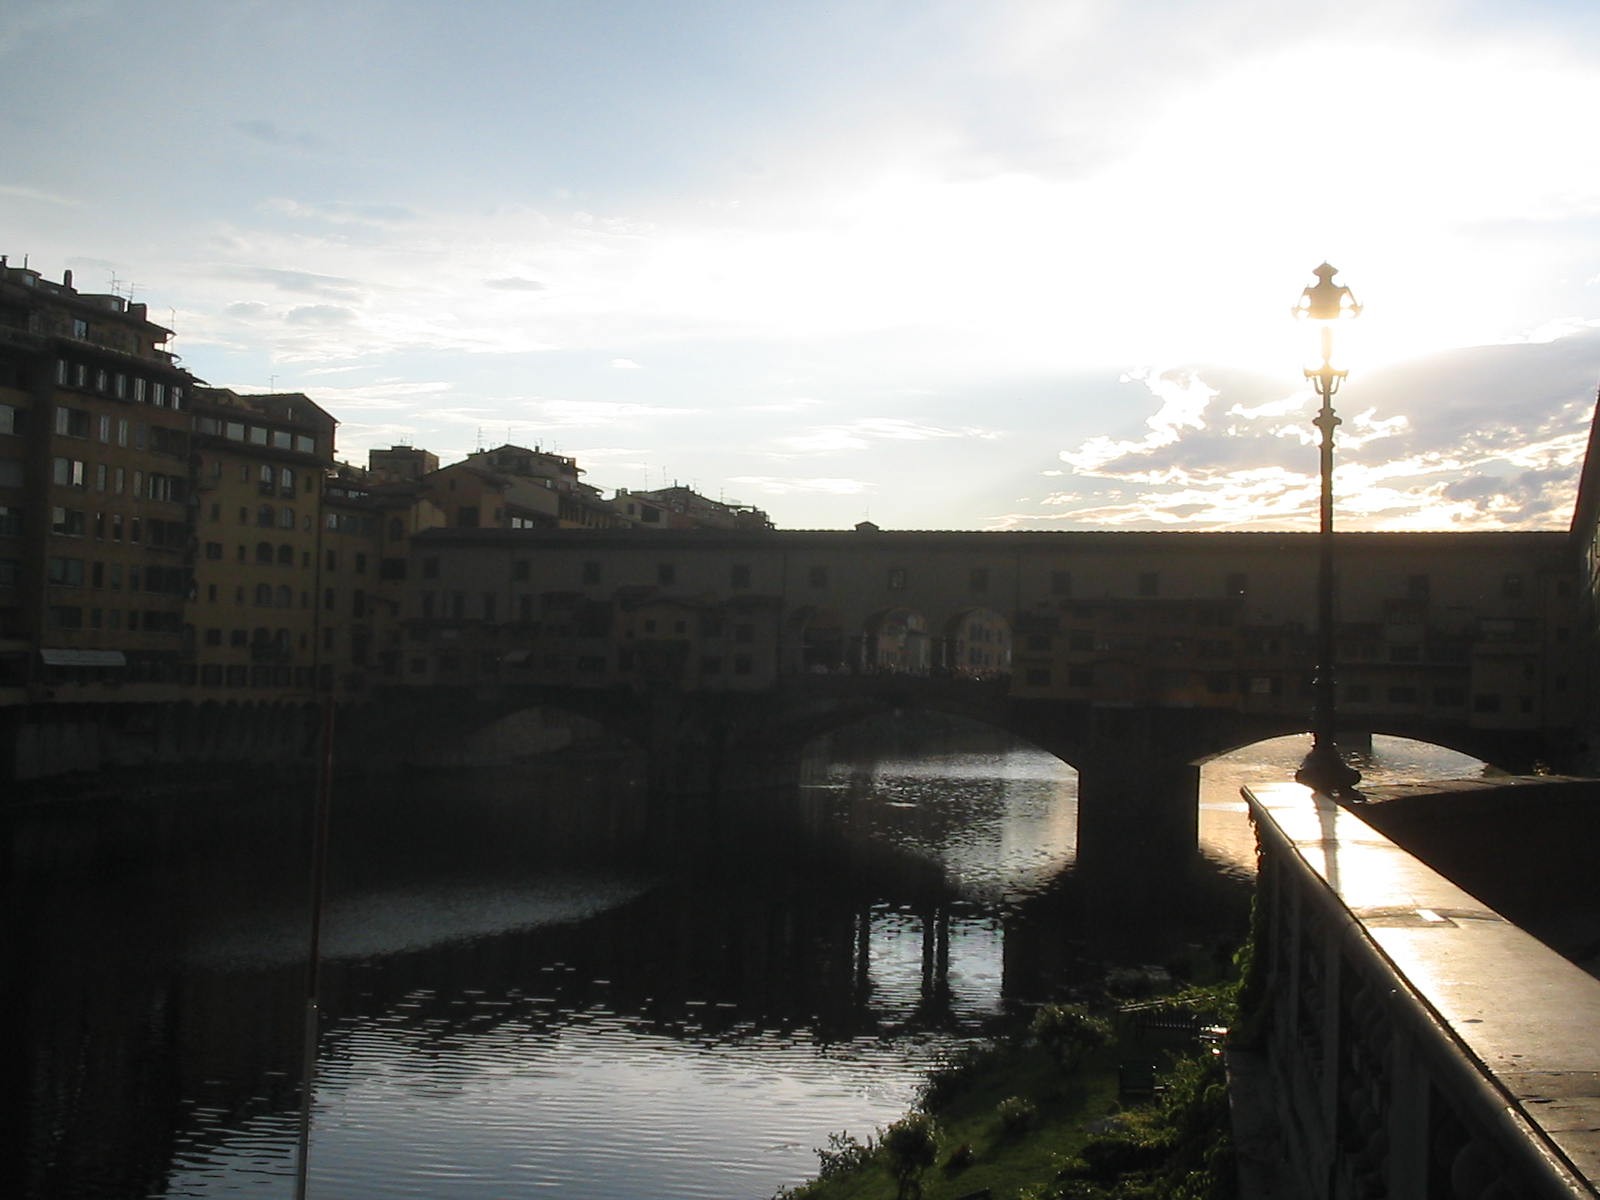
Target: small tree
<point>1069,1032</point>
<point>910,1146</point>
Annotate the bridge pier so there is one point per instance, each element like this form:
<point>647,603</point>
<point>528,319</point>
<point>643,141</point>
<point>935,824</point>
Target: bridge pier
<point>1138,803</point>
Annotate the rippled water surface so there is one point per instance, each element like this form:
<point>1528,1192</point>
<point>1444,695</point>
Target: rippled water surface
<point>539,985</point>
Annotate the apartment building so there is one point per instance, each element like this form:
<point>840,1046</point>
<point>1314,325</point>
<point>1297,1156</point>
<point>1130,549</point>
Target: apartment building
<point>257,613</point>
<point>96,511</point>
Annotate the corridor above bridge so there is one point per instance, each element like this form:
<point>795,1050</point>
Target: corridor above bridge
<point>1473,630</point>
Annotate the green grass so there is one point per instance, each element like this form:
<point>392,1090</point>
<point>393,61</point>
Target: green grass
<point>1081,1142</point>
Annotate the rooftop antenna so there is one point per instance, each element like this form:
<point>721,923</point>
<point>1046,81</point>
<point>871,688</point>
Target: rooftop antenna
<point>114,282</point>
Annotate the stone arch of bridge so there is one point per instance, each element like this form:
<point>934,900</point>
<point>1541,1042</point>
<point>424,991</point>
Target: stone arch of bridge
<point>975,643</point>
<point>895,641</point>
<point>816,642</point>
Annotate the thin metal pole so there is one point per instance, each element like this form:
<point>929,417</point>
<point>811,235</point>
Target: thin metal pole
<point>319,876</point>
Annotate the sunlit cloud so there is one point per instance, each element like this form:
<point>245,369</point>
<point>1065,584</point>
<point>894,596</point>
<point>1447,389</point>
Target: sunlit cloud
<point>771,485</point>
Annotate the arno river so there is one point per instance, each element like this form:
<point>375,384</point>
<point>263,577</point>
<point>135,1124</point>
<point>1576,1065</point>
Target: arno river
<point>535,984</point>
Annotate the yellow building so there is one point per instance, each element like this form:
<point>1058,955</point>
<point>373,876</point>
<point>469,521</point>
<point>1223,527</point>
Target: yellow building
<point>258,610</point>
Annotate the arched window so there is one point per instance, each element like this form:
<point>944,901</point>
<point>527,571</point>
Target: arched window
<point>266,517</point>
<point>286,519</point>
<point>286,555</point>
<point>285,596</point>
<point>263,595</point>
<point>264,552</point>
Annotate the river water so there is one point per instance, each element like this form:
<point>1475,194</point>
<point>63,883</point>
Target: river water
<point>535,984</point>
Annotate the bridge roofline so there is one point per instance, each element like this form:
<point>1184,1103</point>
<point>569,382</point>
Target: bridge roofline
<point>969,539</point>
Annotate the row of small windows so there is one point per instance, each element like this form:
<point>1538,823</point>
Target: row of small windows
<point>112,526</point>
<point>66,571</point>
<point>72,616</point>
<point>147,485</point>
<point>109,430</point>
<point>256,435</point>
<point>119,385</point>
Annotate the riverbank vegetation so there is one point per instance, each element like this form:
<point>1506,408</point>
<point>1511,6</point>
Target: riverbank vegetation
<point>1102,1102</point>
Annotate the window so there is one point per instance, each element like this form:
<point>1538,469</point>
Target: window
<point>519,570</point>
<point>430,568</point>
<point>1511,587</point>
<point>739,575</point>
<point>264,553</point>
<point>68,472</point>
<point>591,572</point>
<point>64,572</point>
<point>897,579</point>
<point>68,522</point>
<point>10,419</point>
<point>72,422</point>
<point>332,559</point>
<point>666,574</point>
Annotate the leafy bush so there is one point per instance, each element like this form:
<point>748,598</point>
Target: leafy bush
<point>844,1156</point>
<point>1016,1113</point>
<point>1069,1032</point>
<point>910,1146</point>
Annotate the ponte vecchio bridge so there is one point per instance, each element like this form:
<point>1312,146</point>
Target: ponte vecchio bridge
<point>1134,657</point>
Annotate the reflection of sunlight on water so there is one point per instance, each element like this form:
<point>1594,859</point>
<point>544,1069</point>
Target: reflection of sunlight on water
<point>1225,833</point>
<point>1001,824</point>
<point>401,920</point>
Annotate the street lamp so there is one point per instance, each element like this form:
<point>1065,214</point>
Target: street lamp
<point>1323,770</point>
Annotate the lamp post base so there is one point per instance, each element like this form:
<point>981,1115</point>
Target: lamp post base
<point>1323,770</point>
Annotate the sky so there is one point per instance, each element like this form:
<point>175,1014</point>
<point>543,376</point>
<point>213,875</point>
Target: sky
<point>999,265</point>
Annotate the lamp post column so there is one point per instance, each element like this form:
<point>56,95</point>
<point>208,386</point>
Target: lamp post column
<point>1324,769</point>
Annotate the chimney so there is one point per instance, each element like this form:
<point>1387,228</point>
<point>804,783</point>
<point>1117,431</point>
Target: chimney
<point>66,279</point>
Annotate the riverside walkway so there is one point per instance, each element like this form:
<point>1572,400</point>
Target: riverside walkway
<point>1415,1042</point>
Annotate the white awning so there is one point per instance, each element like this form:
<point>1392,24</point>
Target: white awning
<point>83,658</point>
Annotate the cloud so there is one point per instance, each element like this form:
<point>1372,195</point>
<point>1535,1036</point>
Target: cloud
<point>514,283</point>
<point>246,309</point>
<point>341,212</point>
<point>772,485</point>
<point>1184,399</point>
<point>39,196</point>
<point>272,134</point>
<point>320,314</point>
<point>625,364</point>
<point>301,282</point>
<point>860,435</point>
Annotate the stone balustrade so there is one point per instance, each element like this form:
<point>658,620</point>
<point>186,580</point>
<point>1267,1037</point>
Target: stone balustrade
<point>1417,1043</point>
